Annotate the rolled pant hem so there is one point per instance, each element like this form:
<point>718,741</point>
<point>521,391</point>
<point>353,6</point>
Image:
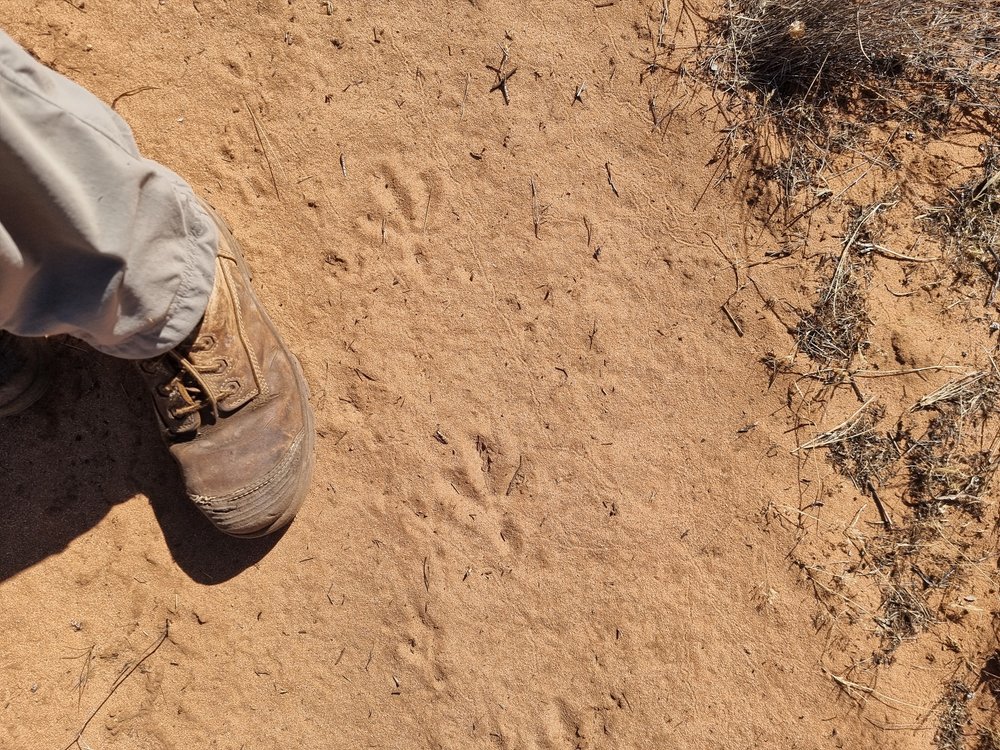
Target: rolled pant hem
<point>189,303</point>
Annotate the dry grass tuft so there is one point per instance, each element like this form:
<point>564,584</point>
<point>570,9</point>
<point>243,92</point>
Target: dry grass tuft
<point>916,565</point>
<point>947,464</point>
<point>866,456</point>
<point>969,222</point>
<point>989,739</point>
<point>823,75</point>
<point>836,330</point>
<point>904,614</point>
<point>933,53</point>
<point>954,717</point>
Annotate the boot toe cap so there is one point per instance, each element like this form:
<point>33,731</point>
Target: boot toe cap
<point>268,503</point>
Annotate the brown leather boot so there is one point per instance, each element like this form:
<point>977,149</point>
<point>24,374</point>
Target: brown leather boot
<point>25,370</point>
<point>233,408</point>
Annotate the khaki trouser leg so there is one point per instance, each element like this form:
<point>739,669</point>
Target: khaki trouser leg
<point>95,240</point>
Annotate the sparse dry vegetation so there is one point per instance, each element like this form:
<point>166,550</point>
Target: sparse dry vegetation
<point>968,222</point>
<point>904,614</point>
<point>947,465</point>
<point>866,456</point>
<point>920,558</point>
<point>807,82</point>
<point>818,98</point>
<point>835,331</point>
<point>954,717</point>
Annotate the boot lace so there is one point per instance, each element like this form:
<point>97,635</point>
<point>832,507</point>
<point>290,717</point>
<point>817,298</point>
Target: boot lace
<point>188,392</point>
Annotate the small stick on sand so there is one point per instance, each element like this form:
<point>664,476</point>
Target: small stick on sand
<point>537,210</point>
<point>501,84</point>
<point>878,504</point>
<point>87,655</point>
<point>895,255</point>
<point>502,77</point>
<point>996,281</point>
<point>126,673</point>
<point>611,180</point>
<point>886,700</point>
<point>736,325</point>
<point>130,92</point>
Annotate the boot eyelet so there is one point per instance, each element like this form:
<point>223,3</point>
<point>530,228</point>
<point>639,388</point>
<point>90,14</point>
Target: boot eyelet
<point>205,342</point>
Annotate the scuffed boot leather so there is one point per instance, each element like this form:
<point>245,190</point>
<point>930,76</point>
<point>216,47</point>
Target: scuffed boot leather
<point>233,408</point>
<point>24,372</point>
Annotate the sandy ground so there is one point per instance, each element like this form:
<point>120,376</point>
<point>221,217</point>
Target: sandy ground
<point>536,521</point>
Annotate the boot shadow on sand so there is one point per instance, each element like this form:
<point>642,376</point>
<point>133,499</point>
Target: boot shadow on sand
<point>91,443</point>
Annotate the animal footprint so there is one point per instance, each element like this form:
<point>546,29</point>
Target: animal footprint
<point>405,204</point>
<point>504,472</point>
